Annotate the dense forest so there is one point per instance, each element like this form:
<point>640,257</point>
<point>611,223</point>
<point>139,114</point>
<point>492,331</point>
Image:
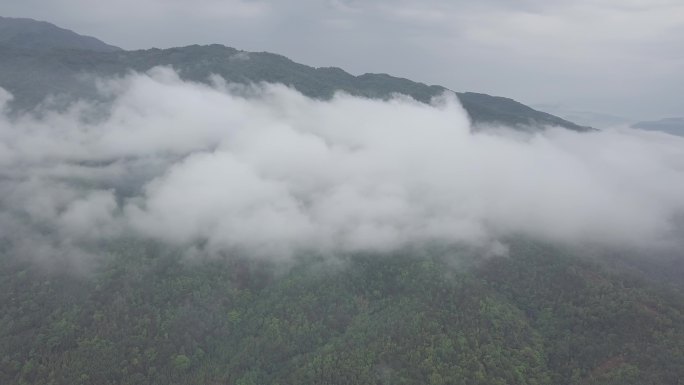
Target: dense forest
<point>146,314</point>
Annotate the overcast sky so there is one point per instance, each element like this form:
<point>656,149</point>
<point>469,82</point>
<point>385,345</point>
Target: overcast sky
<point>622,57</point>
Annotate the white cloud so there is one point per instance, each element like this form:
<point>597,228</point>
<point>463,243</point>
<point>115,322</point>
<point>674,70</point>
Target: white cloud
<point>275,172</point>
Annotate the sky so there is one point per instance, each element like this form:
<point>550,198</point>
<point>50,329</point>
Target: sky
<point>621,58</point>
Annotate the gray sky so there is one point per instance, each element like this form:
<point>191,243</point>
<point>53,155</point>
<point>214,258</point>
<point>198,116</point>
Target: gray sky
<point>622,57</point>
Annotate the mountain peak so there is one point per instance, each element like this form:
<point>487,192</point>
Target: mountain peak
<point>23,33</point>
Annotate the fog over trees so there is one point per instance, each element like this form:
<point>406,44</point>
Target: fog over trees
<point>204,215</point>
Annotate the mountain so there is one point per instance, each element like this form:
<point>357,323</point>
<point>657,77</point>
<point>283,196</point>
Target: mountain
<point>31,74</point>
<point>39,35</point>
<point>674,126</point>
<point>598,120</point>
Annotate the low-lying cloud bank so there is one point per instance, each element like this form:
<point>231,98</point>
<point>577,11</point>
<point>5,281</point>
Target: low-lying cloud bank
<point>264,169</point>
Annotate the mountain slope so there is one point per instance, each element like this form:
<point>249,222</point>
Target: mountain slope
<point>31,74</point>
<point>540,316</point>
<point>39,35</point>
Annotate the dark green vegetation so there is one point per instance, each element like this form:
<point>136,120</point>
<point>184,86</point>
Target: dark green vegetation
<point>540,316</point>
<point>31,74</point>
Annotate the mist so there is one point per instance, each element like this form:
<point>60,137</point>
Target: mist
<point>261,169</point>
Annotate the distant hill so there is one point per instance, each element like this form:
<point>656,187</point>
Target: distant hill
<point>31,72</point>
<point>40,35</point>
<point>595,119</point>
<point>674,126</point>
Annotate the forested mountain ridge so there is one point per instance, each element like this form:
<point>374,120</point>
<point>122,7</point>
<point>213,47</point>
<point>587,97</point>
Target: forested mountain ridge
<point>31,74</point>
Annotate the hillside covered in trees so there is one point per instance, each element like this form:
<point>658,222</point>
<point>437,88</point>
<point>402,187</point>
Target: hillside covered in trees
<point>146,315</point>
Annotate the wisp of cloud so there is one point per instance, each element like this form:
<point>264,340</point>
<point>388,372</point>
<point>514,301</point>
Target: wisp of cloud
<point>263,169</point>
